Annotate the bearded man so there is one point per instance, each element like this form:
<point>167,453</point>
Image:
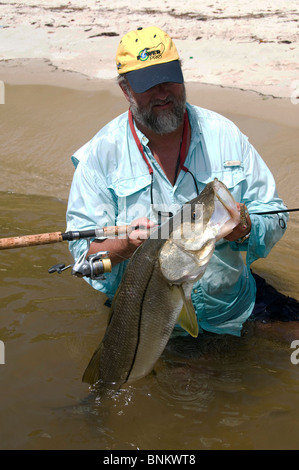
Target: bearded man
<point>145,164</point>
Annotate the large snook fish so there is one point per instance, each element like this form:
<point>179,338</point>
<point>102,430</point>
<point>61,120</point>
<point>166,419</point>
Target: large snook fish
<point>155,292</point>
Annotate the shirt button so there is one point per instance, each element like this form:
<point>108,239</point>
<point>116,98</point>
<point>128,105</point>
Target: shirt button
<point>195,291</point>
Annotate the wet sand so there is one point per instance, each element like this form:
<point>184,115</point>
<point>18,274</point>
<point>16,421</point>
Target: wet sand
<point>233,44</point>
<point>237,60</point>
<point>50,122</point>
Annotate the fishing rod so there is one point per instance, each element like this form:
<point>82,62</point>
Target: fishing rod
<point>95,265</point>
<point>105,232</point>
<point>273,212</point>
<point>55,237</point>
<point>281,222</point>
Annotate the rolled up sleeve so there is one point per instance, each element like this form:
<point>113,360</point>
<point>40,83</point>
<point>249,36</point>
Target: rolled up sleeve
<point>91,205</point>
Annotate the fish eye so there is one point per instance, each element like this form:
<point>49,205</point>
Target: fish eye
<point>197,212</point>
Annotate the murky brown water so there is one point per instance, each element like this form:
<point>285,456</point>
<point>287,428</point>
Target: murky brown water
<point>242,393</point>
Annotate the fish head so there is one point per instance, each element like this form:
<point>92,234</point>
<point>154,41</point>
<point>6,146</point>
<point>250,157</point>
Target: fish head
<point>195,230</point>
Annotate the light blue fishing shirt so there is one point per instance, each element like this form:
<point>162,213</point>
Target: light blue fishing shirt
<point>111,186</point>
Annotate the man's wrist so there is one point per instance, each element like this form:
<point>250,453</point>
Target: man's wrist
<point>244,238</point>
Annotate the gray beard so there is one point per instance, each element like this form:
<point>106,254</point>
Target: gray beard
<point>165,122</point>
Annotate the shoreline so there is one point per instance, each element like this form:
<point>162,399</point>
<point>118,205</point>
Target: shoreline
<point>227,44</point>
<point>221,98</point>
<point>57,67</point>
<point>42,71</point>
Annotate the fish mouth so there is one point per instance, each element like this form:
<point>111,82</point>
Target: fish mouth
<point>228,203</point>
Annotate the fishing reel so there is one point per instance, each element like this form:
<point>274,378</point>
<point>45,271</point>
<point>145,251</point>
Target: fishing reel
<point>93,266</point>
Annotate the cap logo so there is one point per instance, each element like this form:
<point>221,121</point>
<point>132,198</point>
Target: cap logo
<point>143,48</point>
<point>151,52</point>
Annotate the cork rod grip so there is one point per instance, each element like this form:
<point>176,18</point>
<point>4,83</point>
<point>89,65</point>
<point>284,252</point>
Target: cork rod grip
<point>30,240</point>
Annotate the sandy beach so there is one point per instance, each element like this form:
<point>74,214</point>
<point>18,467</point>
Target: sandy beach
<point>239,60</point>
<point>231,44</point>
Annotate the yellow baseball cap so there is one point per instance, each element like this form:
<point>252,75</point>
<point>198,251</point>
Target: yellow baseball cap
<point>148,57</point>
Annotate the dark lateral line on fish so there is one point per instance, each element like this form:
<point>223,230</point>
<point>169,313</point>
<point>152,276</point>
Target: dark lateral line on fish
<point>139,325</point>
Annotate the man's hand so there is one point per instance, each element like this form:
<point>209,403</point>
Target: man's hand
<point>122,248</point>
<point>140,231</point>
<point>243,228</point>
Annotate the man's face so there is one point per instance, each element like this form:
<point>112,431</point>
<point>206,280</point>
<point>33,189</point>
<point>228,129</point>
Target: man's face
<point>161,108</point>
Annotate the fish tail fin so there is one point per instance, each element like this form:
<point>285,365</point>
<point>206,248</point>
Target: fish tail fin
<point>92,371</point>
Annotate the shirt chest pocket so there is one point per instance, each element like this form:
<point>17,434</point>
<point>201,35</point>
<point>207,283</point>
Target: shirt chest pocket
<point>132,197</point>
<point>231,175</point>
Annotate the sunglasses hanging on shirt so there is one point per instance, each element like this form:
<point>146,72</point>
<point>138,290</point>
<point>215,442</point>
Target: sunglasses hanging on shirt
<point>180,162</point>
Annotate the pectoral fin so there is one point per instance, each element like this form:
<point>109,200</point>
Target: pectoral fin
<point>187,318</point>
